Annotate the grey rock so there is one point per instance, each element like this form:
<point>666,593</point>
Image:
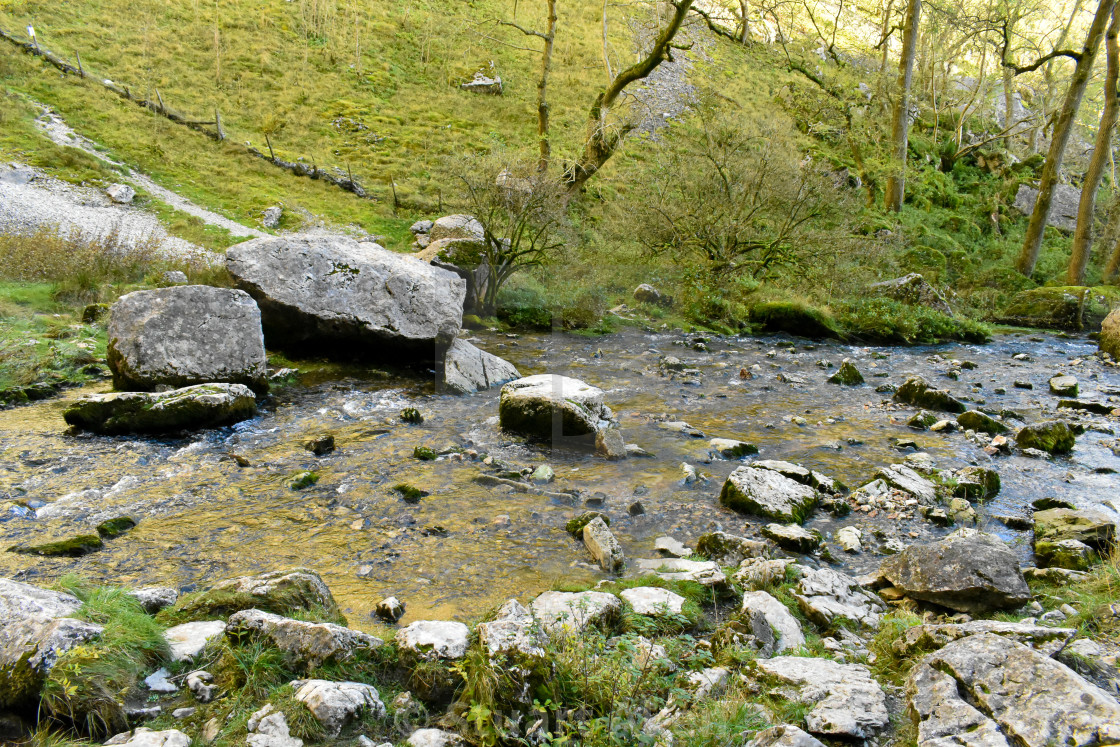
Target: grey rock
<point>434,738</point>
<point>466,369</point>
<point>144,737</point>
<point>275,591</point>
<point>513,633</point>
<point>731,448</point>
<point>434,639</point>
<point>730,549</point>
<point>269,728</point>
<point>671,547</point>
<point>825,595</point>
<point>181,713</point>
<point>603,546</point>
<point>535,405</point>
<point>901,477</point>
<point>767,493</point>
<point>653,601</point>
<point>845,700</point>
<point>792,537</point>
<point>198,683</point>
<point>1064,386</point>
<point>646,293</point>
<point>335,704</point>
<point>704,572</point>
<point>849,539</point>
<point>912,289</point>
<point>390,609</point>
<point>1043,638</point>
<point>271,217</point>
<point>322,291</point>
<point>457,227</point>
<point>154,598</point>
<point>305,645</point>
<point>786,629</point>
<point>968,571</point>
<point>122,194</point>
<point>989,690</point>
<point>761,573</point>
<point>421,226</point>
<point>785,735</point>
<point>186,335</point>
<point>189,640</point>
<point>158,682</point>
<point>482,83</point>
<point>174,277</point>
<point>568,612</point>
<point>1094,528</point>
<point>974,420</point>
<point>189,408</point>
<point>1063,206</point>
<point>917,391</point>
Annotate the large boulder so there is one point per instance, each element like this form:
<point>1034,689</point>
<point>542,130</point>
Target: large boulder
<point>912,289</point>
<point>989,690</point>
<point>1094,528</point>
<point>1063,205</point>
<point>845,701</point>
<point>186,335</point>
<point>189,408</point>
<point>35,628</point>
<point>434,639</point>
<point>1110,334</point>
<point>917,391</point>
<point>305,645</point>
<point>553,407</point>
<point>1053,436</point>
<point>466,369</point>
<point>1068,307</point>
<point>282,592</point>
<point>457,227</point>
<point>332,291</point>
<point>968,571</point>
<point>763,492</point>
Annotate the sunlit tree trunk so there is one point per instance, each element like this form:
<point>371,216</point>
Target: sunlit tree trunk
<point>1083,234</point>
<point>900,126</point>
<point>1063,127</point>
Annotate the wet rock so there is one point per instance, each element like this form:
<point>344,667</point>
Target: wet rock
<point>825,596</point>
<point>434,738</point>
<point>335,704</point>
<point>977,484</point>
<point>320,445</point>
<point>1064,386</point>
<point>901,477</point>
<point>800,474</point>
<point>1054,437</point>
<point>1110,334</point>
<point>334,291</point>
<point>704,572</point>
<point>975,420</point>
<point>671,547</point>
<point>922,420</point>
<point>282,592</point>
<point>732,449</point>
<point>190,408</point>
<point>847,375</point>
<point>389,609</point>
<point>144,737</point>
<point>536,405</point>
<point>603,546</point>
<point>792,537</point>
<point>1070,554</point>
<point>183,336</point>
<point>154,598</point>
<point>917,391</point>
<point>785,735</point>
<point>72,547</point>
<point>576,525</point>
<point>849,539</point>
<point>610,444</point>
<point>189,640</point>
<point>512,633</point>
<point>434,639</point>
<point>1097,408</point>
<point>845,700</point>
<point>679,426</point>
<point>466,369</point>
<point>912,289</point>
<point>729,549</point>
<point>769,494</point>
<point>786,630</point>
<point>968,571</point>
<point>305,645</point>
<point>560,612</point>
<point>653,601</point>
<point>986,689</point>
<point>543,475</point>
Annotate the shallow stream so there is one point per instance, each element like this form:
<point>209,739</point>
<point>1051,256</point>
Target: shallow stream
<point>202,517</point>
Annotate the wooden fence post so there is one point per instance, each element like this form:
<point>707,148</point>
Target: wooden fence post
<point>269,143</point>
<point>81,71</point>
<point>218,124</point>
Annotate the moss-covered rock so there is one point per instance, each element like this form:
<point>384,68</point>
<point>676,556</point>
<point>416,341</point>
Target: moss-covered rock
<point>848,375</point>
<point>974,420</point>
<point>200,406</point>
<point>71,547</point>
<point>1053,436</point>
<point>115,527</point>
<point>1110,334</point>
<point>303,480</point>
<point>1066,307</point>
<point>576,525</point>
<point>922,420</point>
<point>793,318</point>
<point>917,391</point>
<point>282,592</point>
<point>1091,527</point>
<point>1069,554</point>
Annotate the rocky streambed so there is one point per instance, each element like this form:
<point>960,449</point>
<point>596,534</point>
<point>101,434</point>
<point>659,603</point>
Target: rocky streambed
<point>456,535</point>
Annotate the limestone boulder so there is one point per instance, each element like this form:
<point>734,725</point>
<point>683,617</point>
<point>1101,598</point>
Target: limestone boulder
<point>730,549</point>
<point>765,608</point>
<point>766,493</point>
<point>603,546</point>
<point>918,392</point>
<point>1074,308</point>
<point>1093,528</point>
<point>786,735</point>
<point>305,645</point>
<point>901,477</point>
<point>571,612</point>
<point>189,640</point>
<point>555,408</point>
<point>827,596</point>
<point>186,335</point>
<point>513,633</point>
<point>704,572</point>
<point>335,704</point>
<point>968,571</point>
<point>466,369</point>
<point>282,592</point>
<point>144,737</point>
<point>189,408</point>
<point>435,639</point>
<point>335,294</point>
<point>990,690</point>
<point>1042,638</point>
<point>845,701</point>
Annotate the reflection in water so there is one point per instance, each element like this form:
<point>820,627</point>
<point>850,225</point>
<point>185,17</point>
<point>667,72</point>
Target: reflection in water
<point>204,517</point>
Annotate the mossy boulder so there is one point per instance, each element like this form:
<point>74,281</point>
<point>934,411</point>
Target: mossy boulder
<point>1069,554</point>
<point>115,527</point>
<point>1073,308</point>
<point>922,420</point>
<point>576,525</point>
<point>793,318</point>
<point>536,405</point>
<point>847,375</point>
<point>1094,528</point>
<point>974,420</point>
<point>281,592</point>
<point>1110,334</point>
<point>767,493</point>
<point>72,547</point>
<point>189,408</point>
<point>1052,436</point>
<point>917,391</point>
<point>977,484</point>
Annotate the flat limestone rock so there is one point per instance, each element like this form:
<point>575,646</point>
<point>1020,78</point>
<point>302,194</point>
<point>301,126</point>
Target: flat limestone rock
<point>322,292</point>
<point>825,595</point>
<point>767,493</point>
<point>787,631</point>
<point>703,572</point>
<point>846,701</point>
<point>435,639</point>
<point>335,704</point>
<point>466,369</point>
<point>968,571</point>
<point>785,735</point>
<point>189,408</point>
<point>186,335</point>
<point>572,612</point>
<point>188,640</point>
<point>513,632</point>
<point>903,478</point>
<point>653,601</point>
<point>990,690</point>
<point>305,645</point>
<point>1048,641</point>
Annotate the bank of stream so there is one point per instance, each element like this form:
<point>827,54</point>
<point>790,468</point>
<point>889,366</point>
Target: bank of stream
<point>219,504</point>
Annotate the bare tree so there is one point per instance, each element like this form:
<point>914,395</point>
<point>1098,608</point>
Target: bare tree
<point>900,119</point>
<point>603,138</point>
<point>549,38</point>
<point>1083,234</point>
<point>1063,128</point>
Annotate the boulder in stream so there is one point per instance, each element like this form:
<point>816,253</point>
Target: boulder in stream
<point>981,423</point>
<point>561,410</point>
<point>1110,334</point>
<point>1052,436</point>
<point>1074,308</point>
<point>282,592</point>
<point>769,494</point>
<point>186,335</point>
<point>466,369</point>
<point>189,408</point>
<point>359,299</point>
<point>917,391</point>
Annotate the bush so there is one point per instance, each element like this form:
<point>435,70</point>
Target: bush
<point>884,320</point>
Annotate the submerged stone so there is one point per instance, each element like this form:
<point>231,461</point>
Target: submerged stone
<point>190,408</point>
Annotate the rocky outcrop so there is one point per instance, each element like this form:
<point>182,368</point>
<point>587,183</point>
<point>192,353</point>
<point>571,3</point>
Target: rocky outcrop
<point>560,612</point>
<point>466,369</point>
<point>766,493</point>
<point>1045,639</point>
<point>968,571</point>
<point>1063,206</point>
<point>556,408</point>
<point>785,735</point>
<point>434,639</point>
<point>186,335</point>
<point>305,645</point>
<point>336,294</point>
<point>282,592</point>
<point>989,690</point>
<point>335,704</point>
<point>1073,308</point>
<point>35,628</point>
<point>845,700</point>
<point>912,289</point>
<point>189,408</point>
<point>917,392</point>
<point>826,596</point>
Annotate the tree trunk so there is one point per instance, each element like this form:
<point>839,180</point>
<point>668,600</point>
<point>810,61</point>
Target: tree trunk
<point>1063,128</point>
<point>599,144</point>
<point>900,126</point>
<point>1008,106</point>
<point>542,90</point>
<point>745,32</point>
<point>1083,234</point>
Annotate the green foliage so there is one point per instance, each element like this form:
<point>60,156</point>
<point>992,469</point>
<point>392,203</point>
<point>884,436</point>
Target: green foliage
<point>410,493</point>
<point>424,453</point>
<point>889,665</point>
<point>884,320</point>
<point>303,480</point>
<point>793,317</point>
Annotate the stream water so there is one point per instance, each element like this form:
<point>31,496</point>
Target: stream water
<point>202,517</point>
